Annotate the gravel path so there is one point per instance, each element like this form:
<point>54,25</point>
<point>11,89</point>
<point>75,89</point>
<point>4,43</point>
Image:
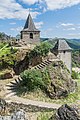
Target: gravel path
<point>40,104</point>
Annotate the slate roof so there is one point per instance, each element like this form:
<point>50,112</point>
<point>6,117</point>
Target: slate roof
<point>29,25</point>
<point>62,45</point>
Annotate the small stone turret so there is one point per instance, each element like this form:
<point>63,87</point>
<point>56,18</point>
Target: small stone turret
<point>63,51</point>
<point>30,34</point>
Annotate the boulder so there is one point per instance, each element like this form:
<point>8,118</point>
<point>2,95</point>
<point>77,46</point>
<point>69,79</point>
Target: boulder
<point>7,75</point>
<point>66,112</point>
<point>19,115</point>
<point>61,82</point>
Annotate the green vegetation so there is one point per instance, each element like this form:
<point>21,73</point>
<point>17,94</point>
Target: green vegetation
<point>73,97</point>
<point>76,58</point>
<point>7,57</point>
<point>35,82</point>
<point>45,115</point>
<point>45,84</point>
<point>75,75</point>
<point>40,50</point>
<point>2,45</point>
<point>40,96</point>
<point>35,79</point>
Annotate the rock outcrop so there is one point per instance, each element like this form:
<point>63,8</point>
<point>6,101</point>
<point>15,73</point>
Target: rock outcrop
<point>66,112</point>
<point>61,81</point>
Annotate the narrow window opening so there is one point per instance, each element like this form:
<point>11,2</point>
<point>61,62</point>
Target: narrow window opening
<point>31,35</point>
<point>21,36</point>
<point>64,52</point>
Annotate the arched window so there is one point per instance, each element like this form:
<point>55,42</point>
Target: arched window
<point>31,35</point>
<point>64,51</point>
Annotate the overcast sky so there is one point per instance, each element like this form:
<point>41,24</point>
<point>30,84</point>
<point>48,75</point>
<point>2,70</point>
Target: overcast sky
<point>55,18</point>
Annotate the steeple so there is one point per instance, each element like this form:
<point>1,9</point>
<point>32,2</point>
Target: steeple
<point>29,25</point>
<point>30,34</point>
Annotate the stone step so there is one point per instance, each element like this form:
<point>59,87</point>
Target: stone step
<point>48,61</point>
<point>43,64</point>
<point>16,80</point>
<point>39,67</point>
<point>13,83</point>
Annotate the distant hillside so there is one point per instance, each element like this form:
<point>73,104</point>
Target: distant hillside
<point>5,37</point>
<point>74,43</point>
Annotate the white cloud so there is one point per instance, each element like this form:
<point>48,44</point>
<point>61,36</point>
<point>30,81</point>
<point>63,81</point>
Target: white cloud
<point>38,24</point>
<point>17,29</point>
<point>12,9</point>
<point>66,24</point>
<point>68,29</point>
<point>71,29</point>
<point>60,4</point>
<point>77,35</point>
<point>12,23</point>
<point>29,1</point>
<point>54,4</point>
<point>48,31</point>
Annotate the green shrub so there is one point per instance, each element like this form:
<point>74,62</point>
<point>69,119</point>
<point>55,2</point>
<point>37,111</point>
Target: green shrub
<point>7,56</point>
<point>2,45</point>
<point>40,50</point>
<point>34,79</point>
<point>74,75</point>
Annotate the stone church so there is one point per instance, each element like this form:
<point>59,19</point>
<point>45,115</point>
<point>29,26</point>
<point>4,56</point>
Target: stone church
<point>30,34</point>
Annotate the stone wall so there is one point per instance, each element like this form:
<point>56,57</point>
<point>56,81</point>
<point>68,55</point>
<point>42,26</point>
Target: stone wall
<point>65,56</point>
<point>27,40</point>
<point>19,111</point>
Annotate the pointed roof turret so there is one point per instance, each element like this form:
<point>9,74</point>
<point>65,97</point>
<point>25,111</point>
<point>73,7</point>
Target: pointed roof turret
<point>29,25</point>
<point>62,45</point>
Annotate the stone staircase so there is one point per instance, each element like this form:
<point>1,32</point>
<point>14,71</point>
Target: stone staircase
<point>11,87</point>
<point>42,65</point>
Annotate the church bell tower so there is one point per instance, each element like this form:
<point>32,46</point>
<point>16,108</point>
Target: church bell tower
<point>30,34</point>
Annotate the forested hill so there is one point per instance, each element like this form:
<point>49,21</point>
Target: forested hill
<point>74,43</point>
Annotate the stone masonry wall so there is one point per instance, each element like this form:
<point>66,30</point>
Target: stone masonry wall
<point>27,40</point>
<point>66,58</point>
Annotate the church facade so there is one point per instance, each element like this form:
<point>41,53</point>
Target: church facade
<point>30,34</point>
